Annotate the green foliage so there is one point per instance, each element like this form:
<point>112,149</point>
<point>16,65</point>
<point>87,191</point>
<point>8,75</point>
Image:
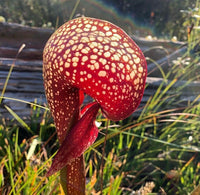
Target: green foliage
<point>24,161</point>
<point>157,152</point>
<point>166,17</point>
<point>31,12</point>
<point>161,147</point>
<point>40,13</point>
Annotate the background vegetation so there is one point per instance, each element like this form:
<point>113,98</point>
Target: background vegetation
<point>166,17</point>
<point>157,152</point>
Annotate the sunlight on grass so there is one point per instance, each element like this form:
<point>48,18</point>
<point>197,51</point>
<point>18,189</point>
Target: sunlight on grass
<point>158,151</point>
<point>162,142</point>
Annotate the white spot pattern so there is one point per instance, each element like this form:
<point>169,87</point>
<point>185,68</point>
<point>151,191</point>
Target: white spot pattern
<point>99,58</point>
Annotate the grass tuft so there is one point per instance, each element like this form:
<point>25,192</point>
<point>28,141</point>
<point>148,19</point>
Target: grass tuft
<point>156,153</point>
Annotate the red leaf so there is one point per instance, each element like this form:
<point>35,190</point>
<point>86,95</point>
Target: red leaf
<point>80,137</point>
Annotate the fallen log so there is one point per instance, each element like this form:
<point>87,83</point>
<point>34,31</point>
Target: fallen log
<point>12,36</point>
<point>26,82</point>
<point>27,54</point>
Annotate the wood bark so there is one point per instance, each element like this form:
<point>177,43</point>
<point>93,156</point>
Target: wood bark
<point>26,82</point>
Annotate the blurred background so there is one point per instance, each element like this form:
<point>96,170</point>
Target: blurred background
<point>160,18</point>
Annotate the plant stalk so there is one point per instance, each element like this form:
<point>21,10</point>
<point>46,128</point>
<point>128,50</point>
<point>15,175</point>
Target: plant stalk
<point>72,177</point>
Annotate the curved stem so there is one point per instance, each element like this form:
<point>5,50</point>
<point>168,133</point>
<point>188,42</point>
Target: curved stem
<point>72,177</point>
<point>69,158</point>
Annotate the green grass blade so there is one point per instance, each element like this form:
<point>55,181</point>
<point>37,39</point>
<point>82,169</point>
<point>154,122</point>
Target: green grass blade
<point>26,102</point>
<point>16,144</point>
<point>74,9</point>
<point>6,83</point>
<point>19,120</point>
<point>10,165</point>
<point>9,73</point>
<point>159,67</point>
